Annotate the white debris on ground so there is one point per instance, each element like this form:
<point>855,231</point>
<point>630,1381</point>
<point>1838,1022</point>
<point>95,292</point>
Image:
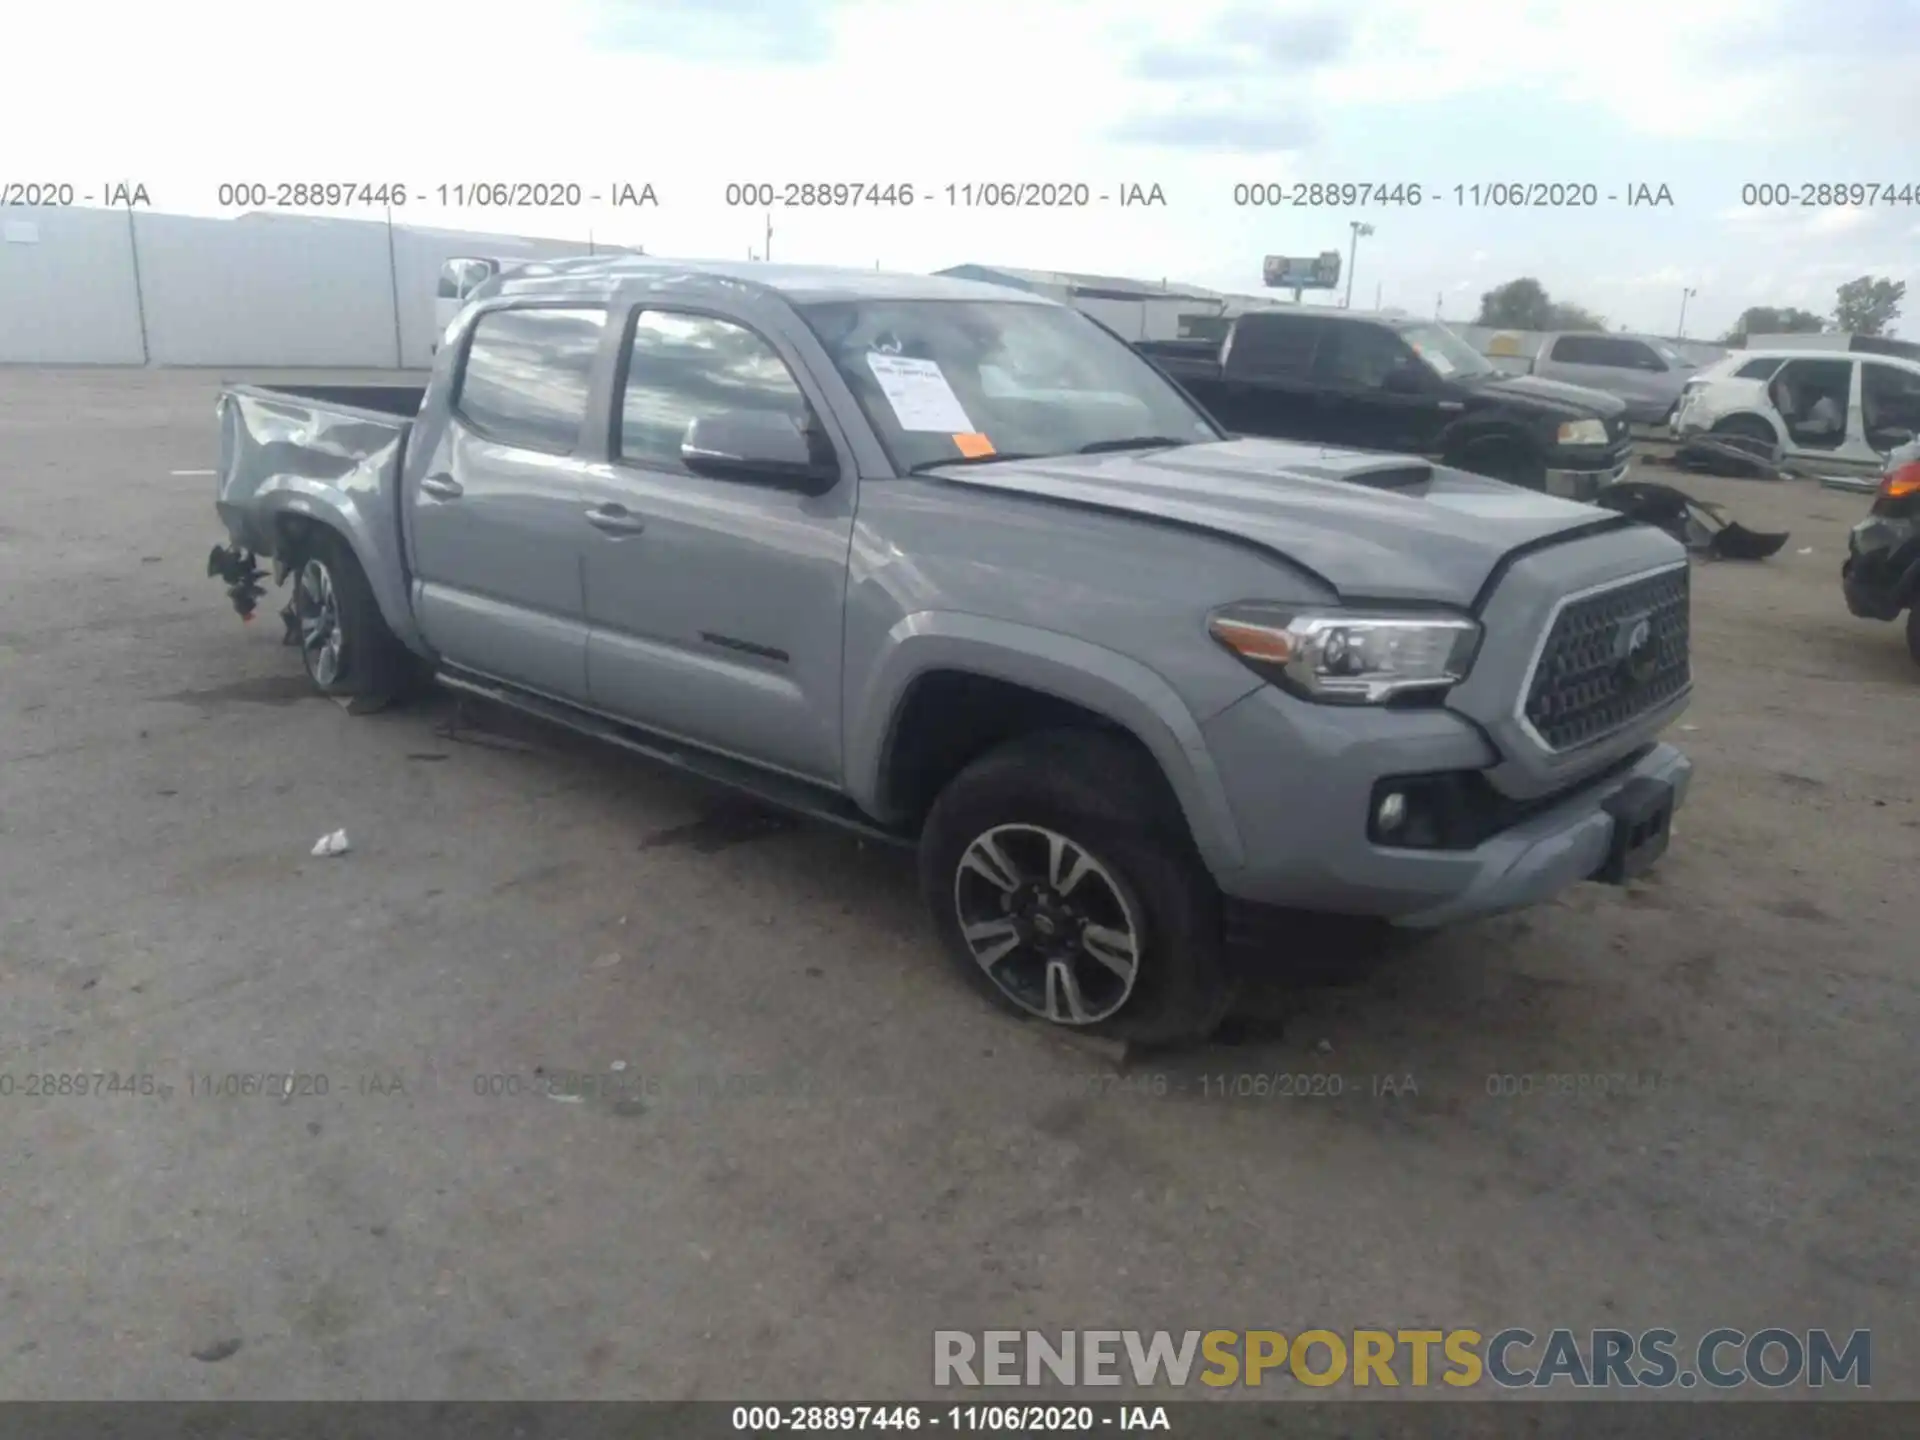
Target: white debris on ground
<point>334,844</point>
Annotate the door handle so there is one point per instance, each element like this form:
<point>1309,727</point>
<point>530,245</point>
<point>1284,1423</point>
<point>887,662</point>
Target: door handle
<point>615,520</point>
<point>444,486</point>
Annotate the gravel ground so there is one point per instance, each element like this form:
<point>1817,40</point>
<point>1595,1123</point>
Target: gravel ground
<point>809,1146</point>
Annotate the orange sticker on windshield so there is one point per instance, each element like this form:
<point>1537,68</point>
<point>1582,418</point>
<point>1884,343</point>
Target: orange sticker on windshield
<point>973,446</point>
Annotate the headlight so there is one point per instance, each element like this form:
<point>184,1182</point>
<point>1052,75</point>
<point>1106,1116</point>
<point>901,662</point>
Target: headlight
<point>1348,657</point>
<point>1583,432</point>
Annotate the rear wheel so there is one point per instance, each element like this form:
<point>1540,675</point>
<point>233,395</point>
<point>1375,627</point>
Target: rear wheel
<point>345,646</point>
<point>1064,886</point>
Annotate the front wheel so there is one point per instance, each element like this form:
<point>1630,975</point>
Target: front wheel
<point>1063,884</point>
<point>1507,461</point>
<point>1747,435</point>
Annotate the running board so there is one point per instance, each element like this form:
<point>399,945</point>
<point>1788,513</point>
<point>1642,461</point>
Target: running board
<point>782,792</point>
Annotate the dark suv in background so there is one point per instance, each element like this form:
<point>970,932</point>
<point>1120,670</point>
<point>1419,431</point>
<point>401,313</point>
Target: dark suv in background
<point>1376,382</point>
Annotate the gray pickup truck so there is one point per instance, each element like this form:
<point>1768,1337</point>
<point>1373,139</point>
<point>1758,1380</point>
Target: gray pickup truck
<point>952,565</point>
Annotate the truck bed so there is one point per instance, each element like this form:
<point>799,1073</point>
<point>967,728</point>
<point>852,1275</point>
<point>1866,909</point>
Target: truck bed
<point>326,453</point>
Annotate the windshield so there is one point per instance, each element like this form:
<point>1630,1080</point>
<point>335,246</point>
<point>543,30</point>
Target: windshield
<point>948,380</point>
<point>1450,356</point>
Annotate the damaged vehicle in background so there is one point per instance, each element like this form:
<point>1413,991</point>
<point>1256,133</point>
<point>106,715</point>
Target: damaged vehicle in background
<point>1813,411</point>
<point>1388,383</point>
<point>952,566</point>
<point>1881,574</point>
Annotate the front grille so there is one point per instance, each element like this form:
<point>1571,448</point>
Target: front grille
<point>1591,680</point>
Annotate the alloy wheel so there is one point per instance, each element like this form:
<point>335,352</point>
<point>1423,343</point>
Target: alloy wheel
<point>317,607</point>
<point>1051,926</point>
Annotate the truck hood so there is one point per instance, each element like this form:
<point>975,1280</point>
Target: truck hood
<point>1553,397</point>
<point>1369,527</point>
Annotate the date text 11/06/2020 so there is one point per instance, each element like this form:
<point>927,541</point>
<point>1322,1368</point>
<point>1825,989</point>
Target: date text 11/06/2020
<point>962,195</point>
<point>997,1419</point>
<point>1479,195</point>
<point>319,194</point>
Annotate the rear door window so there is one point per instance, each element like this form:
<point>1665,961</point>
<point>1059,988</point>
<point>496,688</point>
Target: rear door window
<point>1580,350</point>
<point>526,376</point>
<point>1277,346</point>
<point>1360,357</point>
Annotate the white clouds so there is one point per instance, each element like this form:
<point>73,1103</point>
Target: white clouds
<point>929,92</point>
<point>1840,221</point>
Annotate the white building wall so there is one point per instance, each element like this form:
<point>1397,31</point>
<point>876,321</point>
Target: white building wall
<point>267,290</point>
<point>66,288</point>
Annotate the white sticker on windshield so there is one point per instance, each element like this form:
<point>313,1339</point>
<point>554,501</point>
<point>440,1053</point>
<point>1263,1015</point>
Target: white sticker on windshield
<point>919,394</point>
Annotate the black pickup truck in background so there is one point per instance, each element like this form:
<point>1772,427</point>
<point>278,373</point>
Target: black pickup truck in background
<point>1372,382</point>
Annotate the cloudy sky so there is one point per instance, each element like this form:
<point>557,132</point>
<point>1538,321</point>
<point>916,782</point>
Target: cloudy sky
<point>1699,96</point>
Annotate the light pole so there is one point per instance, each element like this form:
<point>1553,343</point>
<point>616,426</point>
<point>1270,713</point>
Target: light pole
<point>1360,227</point>
<point>1680,333</point>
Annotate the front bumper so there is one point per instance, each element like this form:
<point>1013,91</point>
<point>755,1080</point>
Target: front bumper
<point>1882,571</point>
<point>1584,485</point>
<point>1300,780</point>
<point>1553,850</point>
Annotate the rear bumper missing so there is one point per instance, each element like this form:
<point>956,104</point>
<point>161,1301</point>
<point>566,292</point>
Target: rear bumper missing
<point>238,570</point>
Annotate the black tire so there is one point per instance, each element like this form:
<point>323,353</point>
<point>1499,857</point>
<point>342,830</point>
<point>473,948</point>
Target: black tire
<point>1748,433</point>
<point>345,646</point>
<point>1506,460</point>
<point>1913,634</point>
<point>1105,797</point>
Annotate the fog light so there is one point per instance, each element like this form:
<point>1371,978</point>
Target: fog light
<point>1391,812</point>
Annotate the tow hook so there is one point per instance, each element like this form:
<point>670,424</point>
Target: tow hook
<point>242,574</point>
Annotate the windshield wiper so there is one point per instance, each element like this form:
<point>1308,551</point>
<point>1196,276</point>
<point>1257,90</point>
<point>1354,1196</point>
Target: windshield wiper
<point>924,466</point>
<point>1133,442</point>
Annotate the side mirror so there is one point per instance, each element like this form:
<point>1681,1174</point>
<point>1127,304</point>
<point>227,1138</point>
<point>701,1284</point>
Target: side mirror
<point>765,447</point>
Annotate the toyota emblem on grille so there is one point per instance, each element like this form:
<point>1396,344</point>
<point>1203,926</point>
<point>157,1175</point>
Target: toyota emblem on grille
<point>1633,649</point>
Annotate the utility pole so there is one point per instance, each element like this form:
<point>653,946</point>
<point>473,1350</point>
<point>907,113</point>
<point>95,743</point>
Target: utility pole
<point>393,283</point>
<point>766,249</point>
<point>1359,227</point>
<point>1376,295</point>
<point>1438,300</point>
<point>1680,333</point>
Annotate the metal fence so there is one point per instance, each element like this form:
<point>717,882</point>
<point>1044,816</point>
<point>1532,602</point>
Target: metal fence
<point>132,287</point>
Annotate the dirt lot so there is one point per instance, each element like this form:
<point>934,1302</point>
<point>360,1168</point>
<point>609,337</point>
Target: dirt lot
<point>821,1148</point>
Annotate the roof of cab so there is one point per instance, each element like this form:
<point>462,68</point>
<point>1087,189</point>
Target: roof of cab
<point>609,275</point>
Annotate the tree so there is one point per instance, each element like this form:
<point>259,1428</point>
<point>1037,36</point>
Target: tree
<point>1867,306</point>
<point>1562,316</point>
<point>1773,320</point>
<point>1524,304</point>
